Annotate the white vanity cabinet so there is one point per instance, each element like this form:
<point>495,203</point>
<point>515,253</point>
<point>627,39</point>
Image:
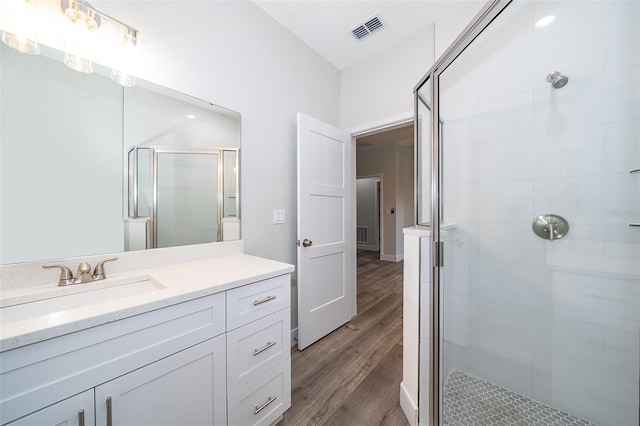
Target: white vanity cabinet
<point>187,388</point>
<point>199,362</point>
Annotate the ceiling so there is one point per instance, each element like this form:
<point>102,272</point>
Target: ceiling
<point>326,25</point>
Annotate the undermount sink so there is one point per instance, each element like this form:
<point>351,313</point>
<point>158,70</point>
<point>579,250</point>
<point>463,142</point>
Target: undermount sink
<point>61,299</point>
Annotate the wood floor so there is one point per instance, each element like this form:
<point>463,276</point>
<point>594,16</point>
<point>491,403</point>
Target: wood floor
<point>352,376</point>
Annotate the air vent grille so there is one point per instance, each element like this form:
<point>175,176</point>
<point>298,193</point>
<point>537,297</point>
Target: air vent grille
<point>367,28</point>
<point>373,24</point>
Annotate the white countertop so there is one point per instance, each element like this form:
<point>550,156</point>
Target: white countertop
<point>182,282</point>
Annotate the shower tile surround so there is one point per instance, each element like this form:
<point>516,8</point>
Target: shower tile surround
<point>555,321</point>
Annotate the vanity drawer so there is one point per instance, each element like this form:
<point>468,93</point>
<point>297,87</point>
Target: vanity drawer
<point>257,347</point>
<point>263,400</point>
<point>251,302</point>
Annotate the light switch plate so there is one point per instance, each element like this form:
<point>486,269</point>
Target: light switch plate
<point>278,217</point>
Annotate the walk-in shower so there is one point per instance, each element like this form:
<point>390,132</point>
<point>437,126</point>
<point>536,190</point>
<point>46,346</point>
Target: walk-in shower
<point>532,312</point>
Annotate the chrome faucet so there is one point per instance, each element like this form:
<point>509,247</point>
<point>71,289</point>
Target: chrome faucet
<point>83,275</point>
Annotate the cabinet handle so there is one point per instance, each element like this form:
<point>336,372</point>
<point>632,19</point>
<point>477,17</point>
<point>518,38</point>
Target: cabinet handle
<point>81,418</point>
<point>263,406</point>
<point>264,348</point>
<point>109,412</point>
<point>261,301</point>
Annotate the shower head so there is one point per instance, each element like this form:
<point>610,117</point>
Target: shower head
<point>557,80</point>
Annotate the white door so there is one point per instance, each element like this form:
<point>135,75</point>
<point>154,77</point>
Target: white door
<point>326,232</point>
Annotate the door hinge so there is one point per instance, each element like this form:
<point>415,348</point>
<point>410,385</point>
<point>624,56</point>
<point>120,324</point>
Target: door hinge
<point>438,254</point>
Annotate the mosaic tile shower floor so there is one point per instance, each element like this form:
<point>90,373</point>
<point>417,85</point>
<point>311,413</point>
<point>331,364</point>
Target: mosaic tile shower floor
<point>469,401</point>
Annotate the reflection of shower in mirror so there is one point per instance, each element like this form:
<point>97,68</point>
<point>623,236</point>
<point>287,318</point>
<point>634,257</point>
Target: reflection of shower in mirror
<point>181,196</point>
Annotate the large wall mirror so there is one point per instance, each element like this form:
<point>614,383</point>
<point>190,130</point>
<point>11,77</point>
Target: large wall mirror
<point>89,167</point>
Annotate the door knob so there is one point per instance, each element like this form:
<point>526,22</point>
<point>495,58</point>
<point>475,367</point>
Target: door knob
<point>306,243</point>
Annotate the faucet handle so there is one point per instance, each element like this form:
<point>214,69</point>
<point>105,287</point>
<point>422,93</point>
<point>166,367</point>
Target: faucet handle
<point>98,271</point>
<point>66,276</point>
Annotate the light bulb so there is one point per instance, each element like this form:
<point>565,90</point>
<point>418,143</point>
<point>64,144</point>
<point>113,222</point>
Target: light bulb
<point>21,44</point>
<point>77,63</point>
<point>121,77</point>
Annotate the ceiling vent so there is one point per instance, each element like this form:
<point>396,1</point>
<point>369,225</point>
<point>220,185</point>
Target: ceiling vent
<point>366,28</point>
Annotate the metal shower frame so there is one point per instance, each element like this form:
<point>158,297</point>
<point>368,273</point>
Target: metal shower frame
<point>482,20</point>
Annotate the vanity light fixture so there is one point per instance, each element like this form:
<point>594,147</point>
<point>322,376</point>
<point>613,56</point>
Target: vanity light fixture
<point>81,11</point>
<point>20,43</point>
<point>77,63</point>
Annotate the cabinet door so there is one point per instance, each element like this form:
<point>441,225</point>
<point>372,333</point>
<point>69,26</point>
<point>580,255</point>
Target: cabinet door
<point>187,388</point>
<point>74,411</point>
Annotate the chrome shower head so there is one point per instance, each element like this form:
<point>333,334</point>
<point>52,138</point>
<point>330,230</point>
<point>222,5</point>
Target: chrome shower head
<point>557,80</point>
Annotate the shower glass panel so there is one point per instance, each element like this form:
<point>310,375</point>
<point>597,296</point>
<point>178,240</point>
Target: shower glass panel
<point>535,329</point>
<point>230,186</point>
<point>423,131</point>
<point>187,198</point>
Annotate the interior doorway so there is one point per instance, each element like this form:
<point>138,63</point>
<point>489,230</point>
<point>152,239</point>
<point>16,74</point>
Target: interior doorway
<point>385,158</point>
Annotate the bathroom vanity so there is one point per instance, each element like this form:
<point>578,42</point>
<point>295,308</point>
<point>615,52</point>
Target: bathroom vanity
<point>201,342</point>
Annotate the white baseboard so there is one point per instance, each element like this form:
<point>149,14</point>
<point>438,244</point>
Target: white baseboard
<point>294,337</point>
<point>409,407</point>
<point>391,257</point>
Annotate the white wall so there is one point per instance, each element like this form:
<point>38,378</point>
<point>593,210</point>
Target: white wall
<point>448,28</point>
<point>557,321</point>
<point>382,86</point>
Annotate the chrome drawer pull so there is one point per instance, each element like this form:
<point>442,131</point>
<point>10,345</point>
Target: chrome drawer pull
<point>81,418</point>
<point>261,301</point>
<point>263,406</point>
<point>264,348</point>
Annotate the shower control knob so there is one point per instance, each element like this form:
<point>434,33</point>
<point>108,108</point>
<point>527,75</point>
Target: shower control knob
<point>550,226</point>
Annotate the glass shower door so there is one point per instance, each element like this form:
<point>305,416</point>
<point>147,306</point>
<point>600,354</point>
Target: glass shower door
<point>540,321</point>
<point>188,201</point>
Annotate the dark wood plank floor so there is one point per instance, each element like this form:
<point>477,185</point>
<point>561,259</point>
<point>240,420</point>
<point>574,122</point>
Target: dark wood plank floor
<point>352,376</point>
